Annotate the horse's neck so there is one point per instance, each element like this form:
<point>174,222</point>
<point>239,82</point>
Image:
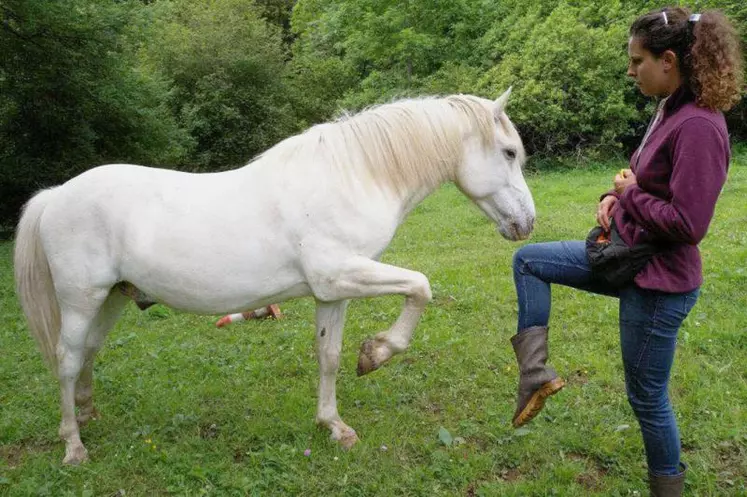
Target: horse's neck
<point>410,201</point>
<point>355,184</point>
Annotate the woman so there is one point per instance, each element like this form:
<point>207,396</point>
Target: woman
<point>692,63</point>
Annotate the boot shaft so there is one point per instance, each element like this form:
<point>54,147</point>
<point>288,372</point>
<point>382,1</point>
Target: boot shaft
<point>530,347</point>
<point>667,485</point>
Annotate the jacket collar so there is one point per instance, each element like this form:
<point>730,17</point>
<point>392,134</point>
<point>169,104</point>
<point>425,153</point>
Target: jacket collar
<point>680,97</point>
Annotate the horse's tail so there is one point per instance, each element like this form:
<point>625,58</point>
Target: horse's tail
<point>34,283</point>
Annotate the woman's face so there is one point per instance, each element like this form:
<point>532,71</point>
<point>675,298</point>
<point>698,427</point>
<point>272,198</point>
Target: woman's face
<point>653,75</point>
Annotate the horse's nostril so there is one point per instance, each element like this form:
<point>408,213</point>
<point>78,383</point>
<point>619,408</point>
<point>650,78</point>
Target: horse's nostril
<point>522,230</point>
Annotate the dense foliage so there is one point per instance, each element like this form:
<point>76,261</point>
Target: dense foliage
<point>72,95</point>
<point>206,84</point>
<point>226,67</point>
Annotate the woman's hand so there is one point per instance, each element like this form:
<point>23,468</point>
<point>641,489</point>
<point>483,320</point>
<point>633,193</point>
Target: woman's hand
<point>624,179</point>
<point>604,211</point>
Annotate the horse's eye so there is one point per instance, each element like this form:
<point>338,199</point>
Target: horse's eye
<point>510,153</point>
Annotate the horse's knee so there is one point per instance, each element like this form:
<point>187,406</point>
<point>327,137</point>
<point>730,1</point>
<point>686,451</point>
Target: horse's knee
<point>329,360</point>
<point>422,289</point>
<point>70,364</point>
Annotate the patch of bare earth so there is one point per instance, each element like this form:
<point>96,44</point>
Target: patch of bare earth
<point>592,477</point>
<point>732,464</point>
<point>13,454</point>
<point>578,377</point>
<point>510,474</point>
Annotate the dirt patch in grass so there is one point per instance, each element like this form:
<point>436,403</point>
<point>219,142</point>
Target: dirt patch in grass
<point>481,443</point>
<point>731,454</point>
<point>13,454</point>
<point>252,444</point>
<point>592,477</point>
<point>238,455</point>
<point>208,430</point>
<point>511,474</point>
<point>591,480</point>
<point>575,456</point>
<point>505,475</point>
<point>408,360</point>
<point>578,377</point>
<point>732,463</point>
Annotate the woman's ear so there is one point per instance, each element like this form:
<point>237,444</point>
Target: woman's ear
<point>669,58</point>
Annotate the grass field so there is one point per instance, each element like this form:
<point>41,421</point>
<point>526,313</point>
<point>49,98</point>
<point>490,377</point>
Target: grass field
<point>189,409</point>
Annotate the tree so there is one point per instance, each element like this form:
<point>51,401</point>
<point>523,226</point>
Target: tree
<point>226,69</point>
<point>571,93</point>
<point>70,97</point>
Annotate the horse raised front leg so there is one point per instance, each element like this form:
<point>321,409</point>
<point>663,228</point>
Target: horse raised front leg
<point>378,350</point>
<point>330,318</point>
<point>359,277</point>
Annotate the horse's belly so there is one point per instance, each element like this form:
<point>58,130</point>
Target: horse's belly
<point>197,291</point>
<point>211,274</point>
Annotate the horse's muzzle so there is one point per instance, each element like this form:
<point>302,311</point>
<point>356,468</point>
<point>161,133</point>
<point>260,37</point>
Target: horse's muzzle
<point>520,231</point>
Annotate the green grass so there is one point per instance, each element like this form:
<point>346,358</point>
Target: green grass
<point>188,409</point>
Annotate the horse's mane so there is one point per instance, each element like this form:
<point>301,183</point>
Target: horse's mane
<point>401,145</point>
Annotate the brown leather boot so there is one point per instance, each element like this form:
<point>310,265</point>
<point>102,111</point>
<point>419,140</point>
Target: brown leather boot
<point>667,485</point>
<point>536,380</point>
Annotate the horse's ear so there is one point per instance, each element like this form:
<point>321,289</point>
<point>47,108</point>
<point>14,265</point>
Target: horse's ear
<point>500,104</point>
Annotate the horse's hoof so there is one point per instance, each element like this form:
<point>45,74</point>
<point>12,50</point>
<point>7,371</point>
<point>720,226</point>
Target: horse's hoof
<point>366,361</point>
<point>348,439</point>
<point>75,456</point>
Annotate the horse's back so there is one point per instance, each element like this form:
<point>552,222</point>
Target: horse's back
<point>116,181</point>
<point>178,236</point>
<point>105,203</point>
<point>143,193</point>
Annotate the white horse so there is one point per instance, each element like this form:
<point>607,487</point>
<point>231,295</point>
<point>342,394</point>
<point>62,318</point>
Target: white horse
<point>323,206</point>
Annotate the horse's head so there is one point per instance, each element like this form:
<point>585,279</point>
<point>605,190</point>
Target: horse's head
<point>491,174</point>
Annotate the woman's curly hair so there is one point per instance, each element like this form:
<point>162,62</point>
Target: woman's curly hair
<point>707,47</point>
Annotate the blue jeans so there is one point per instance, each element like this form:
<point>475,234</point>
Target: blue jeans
<point>649,322</point>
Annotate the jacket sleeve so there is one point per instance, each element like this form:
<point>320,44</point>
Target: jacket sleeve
<point>608,193</point>
<point>700,159</point>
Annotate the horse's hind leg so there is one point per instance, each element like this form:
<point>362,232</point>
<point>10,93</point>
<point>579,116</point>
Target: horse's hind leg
<point>78,315</point>
<point>330,318</point>
<point>105,319</point>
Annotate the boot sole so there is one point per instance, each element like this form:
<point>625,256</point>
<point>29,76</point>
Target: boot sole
<point>537,401</point>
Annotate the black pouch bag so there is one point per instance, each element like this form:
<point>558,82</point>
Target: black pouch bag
<point>612,260</point>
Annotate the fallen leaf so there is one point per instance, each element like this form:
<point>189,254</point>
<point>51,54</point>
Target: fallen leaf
<point>445,437</point>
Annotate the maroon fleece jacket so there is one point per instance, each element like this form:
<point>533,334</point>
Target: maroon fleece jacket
<point>680,173</point>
